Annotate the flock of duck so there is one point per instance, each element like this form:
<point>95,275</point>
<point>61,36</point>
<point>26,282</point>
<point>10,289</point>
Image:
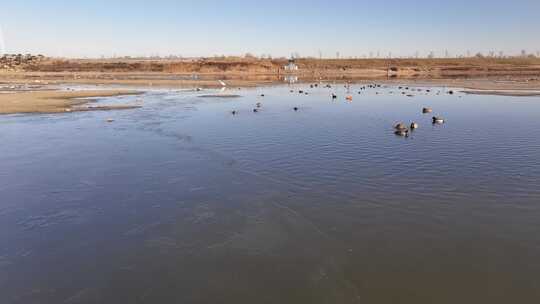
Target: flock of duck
<point>400,129</point>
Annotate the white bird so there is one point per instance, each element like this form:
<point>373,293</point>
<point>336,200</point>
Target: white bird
<point>223,85</point>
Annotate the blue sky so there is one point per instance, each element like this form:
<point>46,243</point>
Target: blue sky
<point>205,28</point>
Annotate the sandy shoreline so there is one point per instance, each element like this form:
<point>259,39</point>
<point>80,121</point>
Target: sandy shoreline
<point>513,93</point>
<point>57,101</point>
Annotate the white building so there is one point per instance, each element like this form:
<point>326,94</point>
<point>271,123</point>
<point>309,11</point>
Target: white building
<point>291,66</point>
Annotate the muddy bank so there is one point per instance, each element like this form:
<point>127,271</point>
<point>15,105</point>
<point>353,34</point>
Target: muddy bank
<point>58,101</point>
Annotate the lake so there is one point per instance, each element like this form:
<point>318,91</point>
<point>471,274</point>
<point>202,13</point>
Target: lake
<point>182,202</point>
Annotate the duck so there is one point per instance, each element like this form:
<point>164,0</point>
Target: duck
<point>295,108</point>
<point>438,120</point>
<point>334,96</point>
<point>414,126</point>
<point>255,110</point>
<point>402,133</point>
<point>234,112</point>
<point>400,126</point>
<point>427,110</point>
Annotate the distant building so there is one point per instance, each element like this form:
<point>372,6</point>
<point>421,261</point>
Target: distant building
<point>291,66</point>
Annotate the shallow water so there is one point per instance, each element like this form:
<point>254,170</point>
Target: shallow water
<point>182,202</point>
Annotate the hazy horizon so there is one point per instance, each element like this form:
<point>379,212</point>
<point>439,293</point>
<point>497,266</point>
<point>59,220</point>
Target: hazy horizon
<point>278,28</point>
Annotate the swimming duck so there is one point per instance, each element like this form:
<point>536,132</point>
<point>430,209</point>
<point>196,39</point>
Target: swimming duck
<point>403,133</point>
<point>414,126</point>
<point>234,112</point>
<point>438,120</point>
<point>334,96</point>
<point>295,108</point>
<point>255,110</point>
<point>400,126</point>
<point>427,110</point>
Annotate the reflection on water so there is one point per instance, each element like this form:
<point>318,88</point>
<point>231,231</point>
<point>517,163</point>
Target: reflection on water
<point>182,202</point>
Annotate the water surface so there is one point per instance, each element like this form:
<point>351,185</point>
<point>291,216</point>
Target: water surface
<point>182,202</point>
